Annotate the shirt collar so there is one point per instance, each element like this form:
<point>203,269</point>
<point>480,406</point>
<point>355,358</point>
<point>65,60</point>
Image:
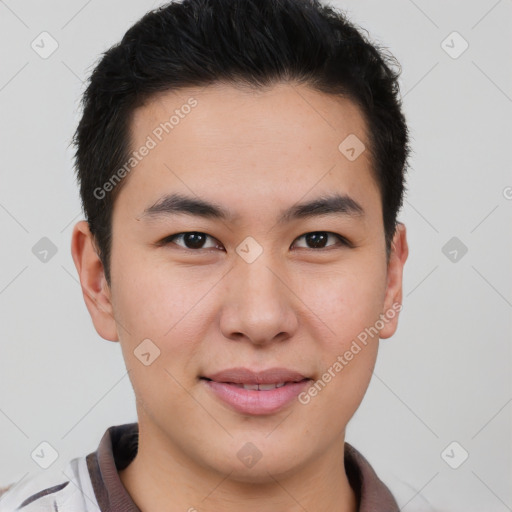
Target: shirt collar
<point>118,448</point>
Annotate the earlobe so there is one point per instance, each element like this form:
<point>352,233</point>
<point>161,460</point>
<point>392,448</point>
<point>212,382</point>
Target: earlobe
<point>95,289</point>
<point>393,297</point>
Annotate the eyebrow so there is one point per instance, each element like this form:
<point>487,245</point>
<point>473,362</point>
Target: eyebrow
<point>179,204</point>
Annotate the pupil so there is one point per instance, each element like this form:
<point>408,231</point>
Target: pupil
<point>194,240</point>
<point>317,239</point>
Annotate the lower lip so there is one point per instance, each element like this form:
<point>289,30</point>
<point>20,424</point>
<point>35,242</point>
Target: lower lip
<point>250,401</point>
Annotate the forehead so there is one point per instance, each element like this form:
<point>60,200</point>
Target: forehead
<point>249,147</point>
<point>224,115</point>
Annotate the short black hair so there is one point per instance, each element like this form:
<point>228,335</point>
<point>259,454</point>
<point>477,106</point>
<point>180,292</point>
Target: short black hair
<point>255,43</point>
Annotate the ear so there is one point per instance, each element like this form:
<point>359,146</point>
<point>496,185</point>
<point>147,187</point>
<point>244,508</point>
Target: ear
<point>94,285</point>
<point>393,298</point>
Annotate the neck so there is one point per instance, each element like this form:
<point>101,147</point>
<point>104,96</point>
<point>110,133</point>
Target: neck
<point>166,479</point>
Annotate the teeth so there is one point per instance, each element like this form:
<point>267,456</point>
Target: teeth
<point>262,387</point>
<point>265,387</point>
<point>250,386</point>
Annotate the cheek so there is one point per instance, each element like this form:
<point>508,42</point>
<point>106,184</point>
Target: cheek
<point>152,300</point>
<point>348,306</point>
<point>158,318</point>
<point>345,301</point>
<point>348,303</point>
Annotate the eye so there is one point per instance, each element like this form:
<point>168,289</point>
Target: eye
<point>196,240</point>
<point>192,240</point>
<point>318,239</point>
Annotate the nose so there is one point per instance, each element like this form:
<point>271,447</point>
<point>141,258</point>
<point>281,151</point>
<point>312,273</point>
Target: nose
<point>258,304</point>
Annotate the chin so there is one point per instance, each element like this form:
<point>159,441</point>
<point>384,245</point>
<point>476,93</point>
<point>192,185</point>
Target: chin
<point>259,474</point>
<point>253,466</point>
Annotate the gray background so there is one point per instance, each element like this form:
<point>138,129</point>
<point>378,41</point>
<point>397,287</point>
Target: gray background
<point>446,374</point>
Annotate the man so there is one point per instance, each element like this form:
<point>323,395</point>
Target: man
<point>241,166</point>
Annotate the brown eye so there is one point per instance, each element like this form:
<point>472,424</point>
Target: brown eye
<point>193,240</point>
<point>319,239</point>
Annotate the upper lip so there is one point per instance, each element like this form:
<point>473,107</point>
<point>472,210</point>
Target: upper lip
<point>246,376</point>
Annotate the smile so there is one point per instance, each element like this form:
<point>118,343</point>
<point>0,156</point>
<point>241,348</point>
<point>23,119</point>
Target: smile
<point>256,393</point>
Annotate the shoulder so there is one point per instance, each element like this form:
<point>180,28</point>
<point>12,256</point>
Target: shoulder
<point>67,490</point>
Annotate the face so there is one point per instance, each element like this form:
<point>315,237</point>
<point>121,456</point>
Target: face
<point>276,279</point>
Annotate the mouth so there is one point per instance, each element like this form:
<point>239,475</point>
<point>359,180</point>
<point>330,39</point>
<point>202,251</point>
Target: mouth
<point>258,387</point>
<point>245,376</point>
<point>256,393</point>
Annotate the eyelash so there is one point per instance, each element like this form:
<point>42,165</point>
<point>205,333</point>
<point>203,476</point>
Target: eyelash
<point>170,239</point>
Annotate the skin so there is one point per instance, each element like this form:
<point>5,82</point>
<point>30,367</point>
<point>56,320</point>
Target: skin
<point>255,153</point>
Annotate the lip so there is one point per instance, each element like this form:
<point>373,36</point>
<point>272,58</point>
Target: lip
<point>225,385</point>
